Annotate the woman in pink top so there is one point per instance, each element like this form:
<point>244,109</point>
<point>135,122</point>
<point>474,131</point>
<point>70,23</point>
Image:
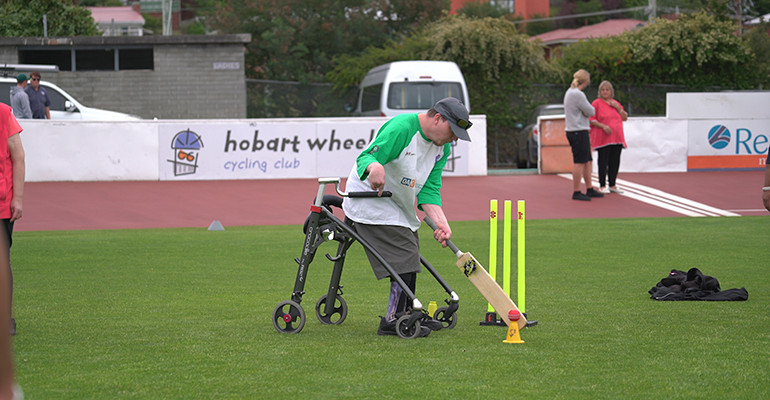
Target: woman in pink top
<point>607,135</point>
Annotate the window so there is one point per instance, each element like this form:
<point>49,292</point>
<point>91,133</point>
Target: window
<point>135,59</point>
<point>90,59</point>
<point>370,98</point>
<point>95,60</point>
<point>57,99</point>
<point>421,96</point>
<point>507,5</point>
<point>62,58</point>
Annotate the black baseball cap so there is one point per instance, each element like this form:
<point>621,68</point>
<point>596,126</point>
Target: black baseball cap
<point>455,112</point>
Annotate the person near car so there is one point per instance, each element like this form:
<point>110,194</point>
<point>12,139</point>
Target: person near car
<point>19,99</point>
<point>39,102</point>
<point>11,188</point>
<point>577,110</point>
<point>607,136</point>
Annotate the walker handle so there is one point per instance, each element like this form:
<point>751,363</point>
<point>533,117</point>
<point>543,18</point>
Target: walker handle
<point>385,193</point>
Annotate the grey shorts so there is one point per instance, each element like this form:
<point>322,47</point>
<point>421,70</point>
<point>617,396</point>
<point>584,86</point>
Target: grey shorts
<point>398,245</point>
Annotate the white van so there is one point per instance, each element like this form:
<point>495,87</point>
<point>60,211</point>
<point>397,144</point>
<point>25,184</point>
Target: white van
<point>64,106</point>
<point>409,86</point>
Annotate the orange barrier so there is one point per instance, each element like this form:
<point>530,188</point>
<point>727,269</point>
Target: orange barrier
<point>555,153</point>
<point>754,161</point>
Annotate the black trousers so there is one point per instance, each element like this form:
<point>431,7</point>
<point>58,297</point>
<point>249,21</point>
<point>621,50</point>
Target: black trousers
<point>609,163</point>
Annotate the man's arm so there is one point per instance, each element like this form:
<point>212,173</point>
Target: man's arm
<point>26,109</point>
<point>586,108</point>
<point>436,213</point>
<point>16,150</point>
<point>48,112</point>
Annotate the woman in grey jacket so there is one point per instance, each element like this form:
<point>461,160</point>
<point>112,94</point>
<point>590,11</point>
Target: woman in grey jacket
<point>577,110</point>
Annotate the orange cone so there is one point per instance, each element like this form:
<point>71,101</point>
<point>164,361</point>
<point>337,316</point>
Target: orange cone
<point>513,335</point>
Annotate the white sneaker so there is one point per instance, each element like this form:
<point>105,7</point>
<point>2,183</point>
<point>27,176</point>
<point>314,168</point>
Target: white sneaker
<point>604,190</point>
<point>616,190</point>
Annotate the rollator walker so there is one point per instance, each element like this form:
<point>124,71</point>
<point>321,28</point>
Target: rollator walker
<point>331,309</point>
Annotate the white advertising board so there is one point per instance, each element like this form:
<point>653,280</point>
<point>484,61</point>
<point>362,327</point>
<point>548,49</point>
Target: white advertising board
<point>728,144</point>
<point>280,149</point>
<point>654,145</point>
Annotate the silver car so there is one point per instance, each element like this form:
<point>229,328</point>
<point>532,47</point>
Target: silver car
<point>530,130</point>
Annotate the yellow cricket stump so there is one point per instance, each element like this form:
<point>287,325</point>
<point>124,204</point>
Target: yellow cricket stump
<point>522,257</point>
<point>492,244</point>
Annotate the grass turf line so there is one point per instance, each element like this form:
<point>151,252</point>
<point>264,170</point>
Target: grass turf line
<point>186,313</point>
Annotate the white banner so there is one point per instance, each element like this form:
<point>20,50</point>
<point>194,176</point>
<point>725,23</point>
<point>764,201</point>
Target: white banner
<point>729,137</point>
<point>654,145</point>
<point>291,148</point>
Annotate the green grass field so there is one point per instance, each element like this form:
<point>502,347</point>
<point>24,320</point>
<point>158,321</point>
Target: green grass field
<point>186,313</point>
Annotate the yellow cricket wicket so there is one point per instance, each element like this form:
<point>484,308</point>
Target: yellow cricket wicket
<point>507,249</point>
<point>492,243</point>
<point>522,258</point>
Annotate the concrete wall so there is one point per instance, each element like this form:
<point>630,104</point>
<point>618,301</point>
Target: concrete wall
<point>188,79</point>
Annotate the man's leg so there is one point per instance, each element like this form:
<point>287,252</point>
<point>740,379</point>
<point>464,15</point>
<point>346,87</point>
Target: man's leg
<point>577,174</point>
<point>587,168</point>
<point>398,302</point>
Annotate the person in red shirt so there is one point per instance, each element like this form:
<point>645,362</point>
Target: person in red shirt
<point>607,136</point>
<point>11,187</point>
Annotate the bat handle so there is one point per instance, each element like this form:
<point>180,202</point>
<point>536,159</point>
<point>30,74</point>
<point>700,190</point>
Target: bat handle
<point>449,243</point>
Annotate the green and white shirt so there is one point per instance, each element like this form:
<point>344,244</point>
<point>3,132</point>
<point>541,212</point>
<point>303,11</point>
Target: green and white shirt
<point>413,166</point>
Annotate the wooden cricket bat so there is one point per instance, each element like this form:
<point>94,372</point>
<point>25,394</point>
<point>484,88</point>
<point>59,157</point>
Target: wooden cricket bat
<point>483,282</point>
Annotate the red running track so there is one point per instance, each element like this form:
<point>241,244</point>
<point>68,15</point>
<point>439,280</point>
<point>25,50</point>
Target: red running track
<point>153,204</point>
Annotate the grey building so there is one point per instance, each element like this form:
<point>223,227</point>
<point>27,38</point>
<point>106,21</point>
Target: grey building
<point>166,77</point>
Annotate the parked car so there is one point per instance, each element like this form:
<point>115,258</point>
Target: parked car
<point>530,130</point>
<point>409,86</point>
<point>64,106</point>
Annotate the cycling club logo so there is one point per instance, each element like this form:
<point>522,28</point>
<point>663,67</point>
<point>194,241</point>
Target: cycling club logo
<point>186,146</point>
<point>719,137</point>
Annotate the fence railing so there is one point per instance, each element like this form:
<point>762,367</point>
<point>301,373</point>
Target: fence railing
<point>508,146</point>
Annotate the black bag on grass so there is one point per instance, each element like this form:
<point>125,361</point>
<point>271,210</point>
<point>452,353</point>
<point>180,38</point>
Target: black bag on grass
<point>694,285</point>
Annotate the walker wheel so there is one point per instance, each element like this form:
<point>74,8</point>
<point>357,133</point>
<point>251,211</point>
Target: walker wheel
<point>338,314</point>
<point>448,322</point>
<point>288,317</point>
<point>404,330</point>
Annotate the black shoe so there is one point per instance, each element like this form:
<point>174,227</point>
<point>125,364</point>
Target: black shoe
<point>593,193</point>
<point>580,196</point>
<point>13,327</point>
<point>387,328</point>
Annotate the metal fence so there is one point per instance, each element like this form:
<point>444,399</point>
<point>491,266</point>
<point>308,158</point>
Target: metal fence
<point>507,144</point>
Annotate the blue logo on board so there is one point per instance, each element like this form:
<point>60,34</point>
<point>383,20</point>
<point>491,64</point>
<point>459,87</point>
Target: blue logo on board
<point>719,136</point>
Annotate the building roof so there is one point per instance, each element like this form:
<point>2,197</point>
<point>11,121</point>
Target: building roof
<point>121,15</point>
<point>758,20</point>
<point>610,27</point>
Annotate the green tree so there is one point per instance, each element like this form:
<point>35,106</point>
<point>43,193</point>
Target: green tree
<point>759,42</point>
<point>698,50</point>
<point>25,18</point>
<point>298,39</point>
<point>495,58</point>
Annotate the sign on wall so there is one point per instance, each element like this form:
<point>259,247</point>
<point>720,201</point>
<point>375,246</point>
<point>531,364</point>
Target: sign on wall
<point>272,149</point>
<point>728,144</point>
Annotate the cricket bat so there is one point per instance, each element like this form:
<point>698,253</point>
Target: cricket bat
<point>483,282</point>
